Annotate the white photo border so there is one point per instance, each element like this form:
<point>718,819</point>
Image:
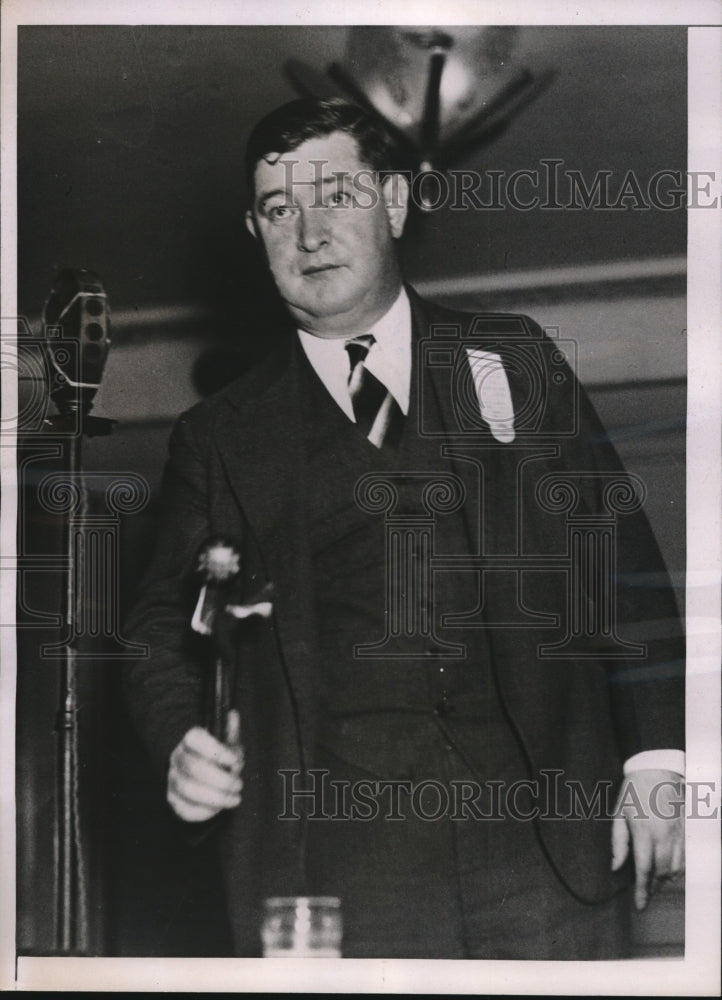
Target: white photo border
<point>698,972</point>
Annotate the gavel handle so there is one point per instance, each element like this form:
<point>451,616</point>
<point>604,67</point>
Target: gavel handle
<point>219,699</point>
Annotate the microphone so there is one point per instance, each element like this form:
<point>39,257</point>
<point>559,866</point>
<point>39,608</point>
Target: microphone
<point>77,330</point>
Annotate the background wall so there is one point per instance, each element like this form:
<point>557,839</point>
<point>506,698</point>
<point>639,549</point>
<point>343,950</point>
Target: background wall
<point>131,141</point>
<point>130,144</point>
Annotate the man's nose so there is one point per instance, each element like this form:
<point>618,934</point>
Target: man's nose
<point>313,230</point>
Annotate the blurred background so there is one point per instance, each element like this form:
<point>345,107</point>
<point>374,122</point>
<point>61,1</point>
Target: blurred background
<point>130,153</point>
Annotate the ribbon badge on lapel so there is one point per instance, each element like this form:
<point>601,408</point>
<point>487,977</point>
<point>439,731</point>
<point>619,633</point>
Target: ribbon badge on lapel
<point>493,393</point>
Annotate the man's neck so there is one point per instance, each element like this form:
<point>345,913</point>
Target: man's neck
<point>345,326</point>
<point>390,360</point>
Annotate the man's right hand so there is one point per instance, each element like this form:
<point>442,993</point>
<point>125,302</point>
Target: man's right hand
<point>205,775</point>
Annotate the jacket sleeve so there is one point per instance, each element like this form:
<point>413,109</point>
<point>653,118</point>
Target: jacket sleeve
<point>163,689</point>
<point>646,690</point>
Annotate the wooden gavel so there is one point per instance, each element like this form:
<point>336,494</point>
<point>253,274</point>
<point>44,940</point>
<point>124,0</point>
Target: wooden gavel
<point>216,616</point>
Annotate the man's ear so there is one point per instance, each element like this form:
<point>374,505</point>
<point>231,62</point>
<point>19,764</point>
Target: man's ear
<point>395,192</point>
<point>251,224</point>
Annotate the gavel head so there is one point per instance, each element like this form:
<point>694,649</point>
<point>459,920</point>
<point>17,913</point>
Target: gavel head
<point>219,561</point>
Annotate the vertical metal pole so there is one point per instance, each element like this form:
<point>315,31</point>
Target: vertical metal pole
<point>70,930</point>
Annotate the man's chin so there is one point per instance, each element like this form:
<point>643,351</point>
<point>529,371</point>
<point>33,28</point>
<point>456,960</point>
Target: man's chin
<point>320,310</point>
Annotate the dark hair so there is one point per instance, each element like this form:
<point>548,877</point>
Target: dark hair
<point>289,126</point>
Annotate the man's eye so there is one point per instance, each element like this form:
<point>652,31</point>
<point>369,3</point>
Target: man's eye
<point>277,213</point>
<point>339,199</point>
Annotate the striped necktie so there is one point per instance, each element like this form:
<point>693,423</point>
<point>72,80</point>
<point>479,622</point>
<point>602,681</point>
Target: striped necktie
<point>377,413</point>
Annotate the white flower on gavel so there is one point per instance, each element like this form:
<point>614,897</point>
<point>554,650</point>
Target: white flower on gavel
<point>219,562</point>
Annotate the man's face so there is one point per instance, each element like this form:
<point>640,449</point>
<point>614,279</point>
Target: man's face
<point>328,230</point>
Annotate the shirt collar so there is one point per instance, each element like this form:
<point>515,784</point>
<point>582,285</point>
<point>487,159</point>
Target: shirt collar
<point>389,359</point>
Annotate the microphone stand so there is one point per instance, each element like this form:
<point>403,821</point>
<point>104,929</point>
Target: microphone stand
<point>73,398</point>
<point>71,889</point>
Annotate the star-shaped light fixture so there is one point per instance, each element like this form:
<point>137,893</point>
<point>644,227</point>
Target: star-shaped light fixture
<point>440,91</point>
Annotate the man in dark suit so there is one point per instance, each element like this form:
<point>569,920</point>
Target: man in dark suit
<point>473,640</point>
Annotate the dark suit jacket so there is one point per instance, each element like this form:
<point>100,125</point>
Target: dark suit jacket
<point>237,467</point>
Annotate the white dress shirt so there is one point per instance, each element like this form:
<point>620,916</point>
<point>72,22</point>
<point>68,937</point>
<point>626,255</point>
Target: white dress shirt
<point>390,360</point>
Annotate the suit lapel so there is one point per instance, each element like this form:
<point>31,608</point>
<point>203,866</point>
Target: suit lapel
<point>495,504</point>
<point>499,489</point>
<point>441,379</point>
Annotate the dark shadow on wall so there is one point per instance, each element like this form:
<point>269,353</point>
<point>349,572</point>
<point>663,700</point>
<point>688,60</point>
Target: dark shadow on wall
<point>249,317</point>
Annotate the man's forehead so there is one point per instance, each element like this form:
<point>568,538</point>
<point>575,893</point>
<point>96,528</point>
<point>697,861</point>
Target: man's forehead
<point>313,161</point>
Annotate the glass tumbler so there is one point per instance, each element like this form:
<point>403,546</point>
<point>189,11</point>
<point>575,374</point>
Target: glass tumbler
<point>302,927</point>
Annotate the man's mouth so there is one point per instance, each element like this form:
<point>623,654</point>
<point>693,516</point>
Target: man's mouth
<point>320,268</point>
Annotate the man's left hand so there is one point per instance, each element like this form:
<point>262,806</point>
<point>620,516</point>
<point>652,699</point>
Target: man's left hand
<point>650,809</point>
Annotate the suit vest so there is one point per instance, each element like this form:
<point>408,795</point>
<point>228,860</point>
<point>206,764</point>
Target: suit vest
<point>429,677</point>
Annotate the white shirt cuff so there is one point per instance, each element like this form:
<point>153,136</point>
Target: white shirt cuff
<point>664,760</point>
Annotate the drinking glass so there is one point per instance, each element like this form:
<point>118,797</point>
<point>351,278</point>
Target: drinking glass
<point>302,927</point>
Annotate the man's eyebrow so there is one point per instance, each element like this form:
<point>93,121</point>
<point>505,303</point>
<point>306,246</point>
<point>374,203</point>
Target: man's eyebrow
<point>271,194</point>
<point>339,177</point>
